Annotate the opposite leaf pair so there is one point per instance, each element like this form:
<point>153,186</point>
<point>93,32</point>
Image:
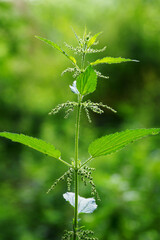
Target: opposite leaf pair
<point>100,147</point>
<point>84,47</point>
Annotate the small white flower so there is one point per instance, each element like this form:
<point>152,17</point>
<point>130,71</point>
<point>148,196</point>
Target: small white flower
<point>74,88</point>
<point>85,205</point>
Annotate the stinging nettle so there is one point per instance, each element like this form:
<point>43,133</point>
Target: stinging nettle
<point>84,82</point>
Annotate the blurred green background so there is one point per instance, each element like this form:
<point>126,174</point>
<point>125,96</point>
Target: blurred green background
<point>31,85</point>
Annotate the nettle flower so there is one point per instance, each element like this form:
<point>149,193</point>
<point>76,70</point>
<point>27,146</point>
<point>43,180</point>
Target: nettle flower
<point>85,205</point>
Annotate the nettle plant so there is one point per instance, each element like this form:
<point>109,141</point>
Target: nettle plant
<point>85,82</point>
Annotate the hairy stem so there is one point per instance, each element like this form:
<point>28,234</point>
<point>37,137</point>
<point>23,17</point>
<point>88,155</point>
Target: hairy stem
<point>75,222</point>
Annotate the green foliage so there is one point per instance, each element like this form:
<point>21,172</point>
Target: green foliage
<point>87,81</point>
<point>85,43</point>
<point>110,60</point>
<point>34,143</point>
<point>93,39</point>
<point>54,45</point>
<point>117,141</point>
<point>83,48</point>
<point>128,182</point>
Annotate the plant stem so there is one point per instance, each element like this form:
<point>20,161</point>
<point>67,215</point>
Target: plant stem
<point>83,60</point>
<point>75,222</point>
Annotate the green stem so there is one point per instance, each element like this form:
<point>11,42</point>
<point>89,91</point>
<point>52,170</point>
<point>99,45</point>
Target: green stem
<point>75,222</point>
<point>83,60</point>
<point>89,159</point>
<point>69,165</point>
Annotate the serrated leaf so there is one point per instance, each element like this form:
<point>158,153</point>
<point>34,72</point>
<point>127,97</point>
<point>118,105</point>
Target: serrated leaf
<point>87,81</point>
<point>34,143</point>
<point>110,60</point>
<point>115,142</point>
<point>93,39</point>
<point>71,58</point>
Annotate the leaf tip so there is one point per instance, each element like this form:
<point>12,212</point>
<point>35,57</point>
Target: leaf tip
<point>156,131</point>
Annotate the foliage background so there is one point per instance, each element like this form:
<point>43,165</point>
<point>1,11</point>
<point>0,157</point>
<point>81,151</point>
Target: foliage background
<point>31,85</point>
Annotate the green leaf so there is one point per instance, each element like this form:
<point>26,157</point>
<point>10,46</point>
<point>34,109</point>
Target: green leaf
<point>87,81</point>
<point>57,47</point>
<point>34,143</point>
<point>72,59</point>
<point>115,142</point>
<point>93,39</point>
<point>110,60</point>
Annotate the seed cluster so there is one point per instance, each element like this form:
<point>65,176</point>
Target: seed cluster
<point>87,114</point>
<point>77,73</point>
<point>95,107</point>
<point>82,235</point>
<point>68,106</point>
<point>67,175</point>
<point>83,48</point>
<point>68,70</point>
<point>69,178</point>
<point>86,235</point>
<point>87,105</point>
<point>99,74</point>
<point>86,175</point>
<point>80,50</point>
<point>67,235</point>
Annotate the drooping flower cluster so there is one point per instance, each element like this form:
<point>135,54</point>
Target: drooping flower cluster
<point>67,175</point>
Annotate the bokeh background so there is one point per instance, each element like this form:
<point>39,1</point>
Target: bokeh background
<point>31,85</point>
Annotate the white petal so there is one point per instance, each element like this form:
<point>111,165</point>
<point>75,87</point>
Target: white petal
<point>85,205</point>
<point>69,196</point>
<point>74,88</point>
